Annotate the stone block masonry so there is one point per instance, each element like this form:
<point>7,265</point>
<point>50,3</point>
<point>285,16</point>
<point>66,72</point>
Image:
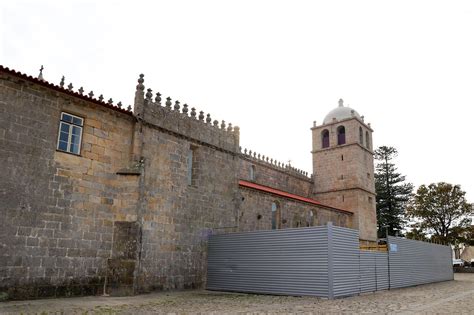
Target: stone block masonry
<point>133,210</point>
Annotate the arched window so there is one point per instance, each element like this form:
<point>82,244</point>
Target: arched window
<point>361,136</point>
<point>252,172</point>
<point>341,135</point>
<point>367,140</point>
<point>276,216</point>
<point>325,138</point>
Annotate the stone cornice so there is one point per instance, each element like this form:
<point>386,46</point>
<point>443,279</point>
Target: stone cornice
<point>342,146</point>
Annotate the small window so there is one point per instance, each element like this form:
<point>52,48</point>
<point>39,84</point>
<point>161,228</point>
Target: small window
<point>190,166</point>
<point>370,200</point>
<point>342,157</point>
<point>70,133</point>
<point>325,138</point>
<point>361,136</point>
<point>276,216</point>
<point>341,135</point>
<point>252,172</point>
<point>367,140</point>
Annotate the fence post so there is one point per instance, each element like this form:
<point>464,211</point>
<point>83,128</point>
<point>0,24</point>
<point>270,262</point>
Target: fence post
<point>330,261</point>
<point>388,261</point>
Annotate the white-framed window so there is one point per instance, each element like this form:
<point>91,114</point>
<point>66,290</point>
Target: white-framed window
<point>70,133</point>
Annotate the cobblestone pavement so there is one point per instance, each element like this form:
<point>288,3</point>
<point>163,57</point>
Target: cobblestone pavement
<point>451,297</point>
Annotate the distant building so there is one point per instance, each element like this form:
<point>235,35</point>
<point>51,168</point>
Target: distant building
<point>97,197</point>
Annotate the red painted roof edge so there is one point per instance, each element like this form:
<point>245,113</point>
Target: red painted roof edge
<point>281,193</point>
<point>63,90</point>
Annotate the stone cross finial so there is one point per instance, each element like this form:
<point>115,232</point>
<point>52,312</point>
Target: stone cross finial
<point>110,101</point>
<point>40,75</point>
<point>341,102</point>
<point>69,87</point>
<point>61,84</point>
<point>81,90</point>
<point>101,98</point>
<point>91,94</point>
<point>119,104</point>
<point>129,108</point>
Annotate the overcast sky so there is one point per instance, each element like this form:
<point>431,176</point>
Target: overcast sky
<point>273,67</point>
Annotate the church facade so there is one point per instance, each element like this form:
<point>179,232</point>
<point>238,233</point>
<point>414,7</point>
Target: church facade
<point>96,198</point>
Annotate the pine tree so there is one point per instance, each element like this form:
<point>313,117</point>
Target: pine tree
<point>393,193</point>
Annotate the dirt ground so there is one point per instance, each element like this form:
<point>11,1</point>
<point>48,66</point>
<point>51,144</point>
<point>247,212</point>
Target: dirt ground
<point>451,297</point>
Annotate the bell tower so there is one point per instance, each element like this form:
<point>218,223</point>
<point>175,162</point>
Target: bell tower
<point>343,167</point>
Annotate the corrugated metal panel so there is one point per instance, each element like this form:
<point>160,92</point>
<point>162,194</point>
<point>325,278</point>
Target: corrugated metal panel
<point>288,261</point>
<point>415,262</point>
<point>345,261</point>
<point>381,265</point>
<point>368,271</point>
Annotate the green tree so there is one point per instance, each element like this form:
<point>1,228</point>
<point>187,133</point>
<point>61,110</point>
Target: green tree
<point>442,210</point>
<point>393,193</point>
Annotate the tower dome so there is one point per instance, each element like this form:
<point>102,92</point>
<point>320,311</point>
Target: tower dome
<point>341,112</point>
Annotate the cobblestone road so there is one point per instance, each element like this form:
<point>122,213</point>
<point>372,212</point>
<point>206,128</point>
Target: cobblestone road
<point>451,297</point>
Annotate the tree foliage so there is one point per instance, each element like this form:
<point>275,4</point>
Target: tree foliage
<point>442,210</point>
<point>393,193</point>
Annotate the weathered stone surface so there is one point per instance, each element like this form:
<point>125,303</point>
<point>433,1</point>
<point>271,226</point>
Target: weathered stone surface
<point>129,214</point>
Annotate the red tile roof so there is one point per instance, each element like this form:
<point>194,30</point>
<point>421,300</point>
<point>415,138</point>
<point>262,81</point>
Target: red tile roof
<point>288,195</point>
<point>62,90</point>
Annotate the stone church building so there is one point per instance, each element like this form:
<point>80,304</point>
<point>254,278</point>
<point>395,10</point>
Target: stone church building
<point>96,198</point>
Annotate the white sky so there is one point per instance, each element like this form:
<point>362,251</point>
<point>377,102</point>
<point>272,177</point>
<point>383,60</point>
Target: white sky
<point>272,67</point>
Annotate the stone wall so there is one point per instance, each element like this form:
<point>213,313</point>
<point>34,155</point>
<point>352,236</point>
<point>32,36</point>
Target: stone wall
<point>282,178</point>
<point>256,212</point>
<point>133,211</point>
<point>57,209</point>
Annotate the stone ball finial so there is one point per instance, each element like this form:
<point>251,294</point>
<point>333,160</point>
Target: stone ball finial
<point>149,95</point>
<point>140,80</point>
<point>168,102</point>
<point>216,123</point>
<point>176,106</point>
<point>201,116</point>
<point>193,112</point>
<point>158,98</point>
<point>229,127</point>
<point>223,125</point>
<point>208,119</point>
<point>362,117</point>
<point>61,84</point>
<point>185,109</point>
<point>341,102</point>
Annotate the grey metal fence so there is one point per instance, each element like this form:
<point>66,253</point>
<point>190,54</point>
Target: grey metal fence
<point>288,261</point>
<point>322,261</point>
<point>415,262</point>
